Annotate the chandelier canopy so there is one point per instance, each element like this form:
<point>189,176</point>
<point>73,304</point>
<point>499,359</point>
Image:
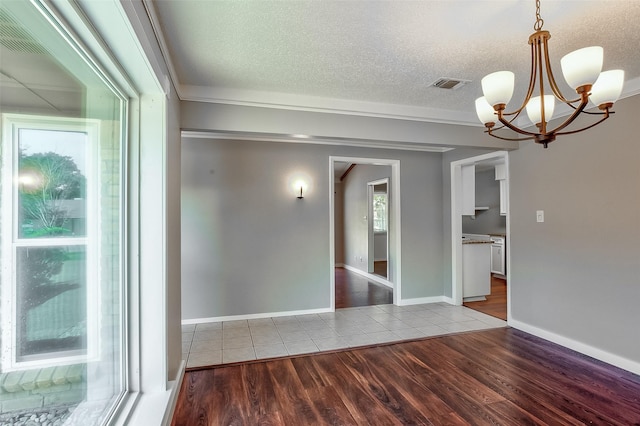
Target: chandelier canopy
<point>582,71</point>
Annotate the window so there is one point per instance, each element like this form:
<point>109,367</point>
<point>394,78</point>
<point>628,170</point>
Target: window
<point>51,305</point>
<point>62,245</point>
<point>379,212</point>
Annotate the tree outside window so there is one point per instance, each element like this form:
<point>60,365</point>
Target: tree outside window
<point>380,212</point>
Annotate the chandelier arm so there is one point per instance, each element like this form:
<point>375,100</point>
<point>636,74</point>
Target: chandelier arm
<point>572,117</point>
<point>514,128</point>
<point>606,115</point>
<point>507,139</point>
<point>552,80</point>
<point>533,75</point>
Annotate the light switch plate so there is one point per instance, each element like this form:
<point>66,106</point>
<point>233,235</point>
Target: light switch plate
<point>540,216</point>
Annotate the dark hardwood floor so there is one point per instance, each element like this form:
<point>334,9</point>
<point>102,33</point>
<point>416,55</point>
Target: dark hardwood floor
<point>496,303</point>
<point>354,290</point>
<point>494,377</point>
<point>380,268</point>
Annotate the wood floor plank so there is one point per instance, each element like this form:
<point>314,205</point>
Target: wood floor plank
<point>391,397</point>
<point>359,400</point>
<point>295,405</point>
<point>500,376</point>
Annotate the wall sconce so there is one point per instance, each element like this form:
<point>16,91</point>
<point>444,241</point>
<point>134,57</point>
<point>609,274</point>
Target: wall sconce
<point>302,185</point>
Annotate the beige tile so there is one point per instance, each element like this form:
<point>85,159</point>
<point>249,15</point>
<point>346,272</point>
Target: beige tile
<point>206,345</point>
<point>432,330</point>
<point>235,324</point>
<point>237,342</point>
<point>331,343</point>
<point>188,328</point>
<point>323,333</point>
<point>204,358</point>
<point>236,332</point>
<point>266,340</point>
<point>205,326</point>
<point>294,336</point>
<point>301,347</point>
<point>207,335</point>
<point>238,355</point>
<point>187,337</point>
<point>270,351</point>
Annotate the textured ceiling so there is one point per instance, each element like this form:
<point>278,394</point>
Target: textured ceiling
<point>378,56</point>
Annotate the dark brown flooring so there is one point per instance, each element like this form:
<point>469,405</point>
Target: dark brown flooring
<point>380,268</point>
<point>494,377</point>
<point>354,290</point>
<point>496,303</point>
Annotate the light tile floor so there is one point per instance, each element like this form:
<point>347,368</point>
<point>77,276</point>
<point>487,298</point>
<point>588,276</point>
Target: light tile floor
<point>233,341</point>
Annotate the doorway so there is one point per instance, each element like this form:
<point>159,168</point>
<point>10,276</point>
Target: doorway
<point>462,204</point>
<point>359,263</point>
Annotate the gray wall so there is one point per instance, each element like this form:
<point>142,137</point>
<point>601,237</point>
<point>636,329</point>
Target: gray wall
<point>487,195</point>
<point>250,247</point>
<point>356,232</point>
<point>578,274</point>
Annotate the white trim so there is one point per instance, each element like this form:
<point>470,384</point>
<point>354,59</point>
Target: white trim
<point>313,140</point>
<point>297,102</point>
<point>256,316</point>
<point>369,276</point>
<point>395,204</point>
<point>583,348</point>
<point>423,300</point>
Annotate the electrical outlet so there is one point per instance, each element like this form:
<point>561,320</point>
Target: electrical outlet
<point>540,216</point>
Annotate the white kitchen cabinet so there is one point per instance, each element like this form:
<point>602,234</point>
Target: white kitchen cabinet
<point>476,275</point>
<point>469,190</point>
<point>501,175</point>
<point>503,198</point>
<point>497,259</point>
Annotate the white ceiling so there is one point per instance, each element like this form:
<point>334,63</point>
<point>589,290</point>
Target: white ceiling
<point>378,57</point>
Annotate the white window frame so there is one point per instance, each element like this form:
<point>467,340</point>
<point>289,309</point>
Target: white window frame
<point>11,125</point>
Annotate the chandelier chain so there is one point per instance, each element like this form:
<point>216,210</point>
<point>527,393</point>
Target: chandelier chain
<point>539,21</point>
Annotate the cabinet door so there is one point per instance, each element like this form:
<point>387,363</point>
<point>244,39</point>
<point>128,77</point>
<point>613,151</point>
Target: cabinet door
<point>469,190</point>
<point>497,259</point>
<point>503,198</point>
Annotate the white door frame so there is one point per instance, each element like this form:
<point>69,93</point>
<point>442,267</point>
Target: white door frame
<point>394,204</point>
<point>456,224</point>
<point>371,235</point>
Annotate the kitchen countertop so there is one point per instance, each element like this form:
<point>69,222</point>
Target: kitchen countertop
<point>471,241</point>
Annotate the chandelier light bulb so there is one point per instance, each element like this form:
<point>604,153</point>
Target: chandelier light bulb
<point>607,88</point>
<point>485,112</point>
<point>582,67</point>
<point>498,87</point>
<point>534,109</point>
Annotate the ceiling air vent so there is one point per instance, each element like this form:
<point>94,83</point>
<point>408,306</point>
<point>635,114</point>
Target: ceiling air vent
<point>449,83</point>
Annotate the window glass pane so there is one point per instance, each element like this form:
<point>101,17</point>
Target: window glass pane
<point>51,301</point>
<point>379,212</point>
<point>52,183</point>
<point>61,216</point>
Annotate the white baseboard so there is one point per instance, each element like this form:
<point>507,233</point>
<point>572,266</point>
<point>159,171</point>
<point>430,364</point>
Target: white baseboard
<point>599,354</point>
<point>369,276</point>
<point>255,316</point>
<point>447,299</point>
<point>421,300</point>
<point>339,265</point>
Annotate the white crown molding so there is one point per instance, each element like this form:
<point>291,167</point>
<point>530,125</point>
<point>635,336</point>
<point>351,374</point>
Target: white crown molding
<point>314,140</point>
<point>297,102</point>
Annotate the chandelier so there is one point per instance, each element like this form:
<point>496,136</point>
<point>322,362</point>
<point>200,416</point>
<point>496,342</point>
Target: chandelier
<point>581,70</point>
